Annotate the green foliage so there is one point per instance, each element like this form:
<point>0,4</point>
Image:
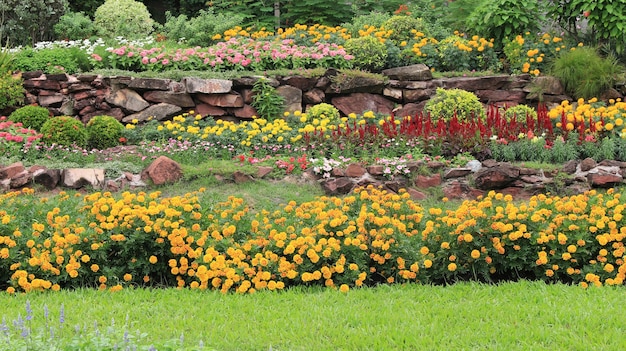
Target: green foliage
<point>64,130</point>
<point>254,12</point>
<point>404,27</point>
<point>53,60</point>
<point>30,116</point>
<point>444,15</point>
<point>74,26</point>
<point>451,57</point>
<point>323,111</point>
<point>103,132</point>
<point>362,7</point>
<point>520,112</point>
<point>25,22</point>
<point>88,7</point>
<point>499,19</point>
<point>266,100</point>
<point>127,18</point>
<point>605,21</point>
<point>601,150</point>
<point>6,60</point>
<point>398,56</point>
<point>198,30</point>
<point>369,53</point>
<point>448,102</point>
<point>584,73</point>
<point>11,90</point>
<point>314,11</point>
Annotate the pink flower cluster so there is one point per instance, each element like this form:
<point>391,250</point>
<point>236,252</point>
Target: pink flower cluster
<point>11,132</point>
<point>234,54</point>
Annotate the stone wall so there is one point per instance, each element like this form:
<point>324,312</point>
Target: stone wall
<point>475,179</point>
<point>405,92</point>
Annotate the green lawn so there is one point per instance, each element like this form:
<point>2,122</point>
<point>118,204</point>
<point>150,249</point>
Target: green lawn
<point>466,316</point>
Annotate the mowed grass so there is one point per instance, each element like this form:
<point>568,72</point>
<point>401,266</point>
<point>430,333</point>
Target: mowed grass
<point>466,316</point>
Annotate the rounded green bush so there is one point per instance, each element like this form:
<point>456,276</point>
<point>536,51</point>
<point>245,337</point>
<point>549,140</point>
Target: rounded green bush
<point>447,102</point>
<point>103,132</point>
<point>404,27</point>
<point>127,18</point>
<point>324,111</point>
<point>519,112</point>
<point>369,53</point>
<point>64,130</point>
<point>74,26</point>
<point>30,116</point>
<point>451,56</point>
<point>11,90</point>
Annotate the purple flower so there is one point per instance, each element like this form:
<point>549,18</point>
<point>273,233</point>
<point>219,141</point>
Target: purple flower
<point>29,311</point>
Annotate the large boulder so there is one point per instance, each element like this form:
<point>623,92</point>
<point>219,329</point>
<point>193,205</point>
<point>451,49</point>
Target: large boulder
<point>361,102</point>
<point>163,170</point>
<point>497,177</point>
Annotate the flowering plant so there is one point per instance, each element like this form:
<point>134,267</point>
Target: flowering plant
<point>15,138</point>
<point>324,166</point>
<point>395,166</point>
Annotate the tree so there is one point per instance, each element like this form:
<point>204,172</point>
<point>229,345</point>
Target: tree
<point>25,22</point>
<point>604,21</point>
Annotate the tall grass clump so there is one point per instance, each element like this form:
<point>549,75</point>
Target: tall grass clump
<point>584,73</point>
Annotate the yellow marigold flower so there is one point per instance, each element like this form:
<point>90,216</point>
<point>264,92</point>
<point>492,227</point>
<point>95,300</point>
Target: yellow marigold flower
<point>428,263</point>
<point>424,250</point>
<point>128,277</point>
<point>153,259</point>
<point>475,254</point>
<point>344,288</point>
<point>452,267</point>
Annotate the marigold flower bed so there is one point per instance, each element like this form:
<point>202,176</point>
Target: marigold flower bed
<point>370,237</point>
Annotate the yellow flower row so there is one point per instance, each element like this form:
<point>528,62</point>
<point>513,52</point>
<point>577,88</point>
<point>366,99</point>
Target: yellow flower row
<point>369,237</point>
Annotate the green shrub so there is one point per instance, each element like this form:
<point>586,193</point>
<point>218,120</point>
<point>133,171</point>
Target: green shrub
<point>198,31</point>
<point>404,27</point>
<point>369,53</point>
<point>398,56</point>
<point>64,130</point>
<point>11,90</point>
<point>127,18</point>
<point>451,56</point>
<point>499,19</point>
<point>584,73</point>
<point>103,132</point>
<point>447,102</point>
<point>519,112</point>
<point>52,60</point>
<point>30,116</point>
<point>26,22</point>
<point>74,26</point>
<point>266,100</point>
<point>324,111</point>
<point>6,60</point>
